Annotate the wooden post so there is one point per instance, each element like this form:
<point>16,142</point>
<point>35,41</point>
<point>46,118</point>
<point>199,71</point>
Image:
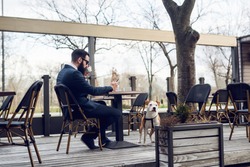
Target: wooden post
<point>168,80</point>
<point>91,47</point>
<point>202,80</point>
<point>46,112</point>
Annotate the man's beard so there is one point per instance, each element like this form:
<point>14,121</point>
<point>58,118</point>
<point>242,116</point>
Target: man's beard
<point>81,68</point>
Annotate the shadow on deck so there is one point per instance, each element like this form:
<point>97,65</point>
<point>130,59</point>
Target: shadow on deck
<point>236,152</point>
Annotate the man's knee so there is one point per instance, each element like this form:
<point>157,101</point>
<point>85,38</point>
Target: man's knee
<point>102,102</point>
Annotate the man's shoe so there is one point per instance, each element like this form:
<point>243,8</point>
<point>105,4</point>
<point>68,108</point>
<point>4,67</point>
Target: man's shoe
<point>89,142</point>
<point>105,141</point>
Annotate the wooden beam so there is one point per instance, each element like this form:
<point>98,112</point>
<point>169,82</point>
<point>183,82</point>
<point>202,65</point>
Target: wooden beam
<point>24,25</point>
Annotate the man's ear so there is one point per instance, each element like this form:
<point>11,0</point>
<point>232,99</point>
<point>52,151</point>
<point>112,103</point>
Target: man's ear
<point>79,60</point>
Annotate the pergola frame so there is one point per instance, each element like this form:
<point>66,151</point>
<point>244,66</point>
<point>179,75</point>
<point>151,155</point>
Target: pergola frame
<point>92,31</point>
<point>25,25</point>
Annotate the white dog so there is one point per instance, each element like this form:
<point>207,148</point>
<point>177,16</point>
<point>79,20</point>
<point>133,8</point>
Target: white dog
<point>149,121</point>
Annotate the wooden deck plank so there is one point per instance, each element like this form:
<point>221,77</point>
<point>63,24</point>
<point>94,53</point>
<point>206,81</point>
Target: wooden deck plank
<point>235,151</point>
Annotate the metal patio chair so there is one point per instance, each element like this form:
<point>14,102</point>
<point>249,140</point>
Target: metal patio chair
<point>135,114</point>
<point>172,100</point>
<point>68,103</point>
<point>197,99</point>
<point>220,100</point>
<point>239,94</point>
<point>20,123</point>
<point>5,108</point>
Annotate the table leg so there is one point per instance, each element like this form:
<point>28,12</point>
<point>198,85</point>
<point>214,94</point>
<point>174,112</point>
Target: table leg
<point>119,123</point>
<point>119,143</point>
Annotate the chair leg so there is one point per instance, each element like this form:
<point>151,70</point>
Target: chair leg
<point>37,153</point>
<point>129,124</point>
<point>229,122</point>
<point>78,128</point>
<point>27,143</point>
<point>211,116</point>
<point>60,138</point>
<point>69,137</point>
<point>248,132</point>
<point>9,137</point>
<point>218,117</point>
<point>231,133</point>
<point>232,129</point>
<point>32,138</point>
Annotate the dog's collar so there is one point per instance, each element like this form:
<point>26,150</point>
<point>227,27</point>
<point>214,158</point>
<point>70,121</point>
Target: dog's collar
<point>150,118</point>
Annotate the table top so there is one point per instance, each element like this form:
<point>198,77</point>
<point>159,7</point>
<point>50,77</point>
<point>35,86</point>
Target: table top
<point>7,93</point>
<point>111,98</point>
<point>124,93</point>
<point>111,94</point>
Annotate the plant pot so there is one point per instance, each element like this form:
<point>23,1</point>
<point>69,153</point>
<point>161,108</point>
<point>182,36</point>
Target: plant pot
<point>190,145</point>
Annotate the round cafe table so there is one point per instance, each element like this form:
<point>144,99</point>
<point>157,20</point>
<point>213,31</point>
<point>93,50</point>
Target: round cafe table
<point>117,103</point>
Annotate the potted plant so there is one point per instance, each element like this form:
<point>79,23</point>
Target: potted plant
<point>180,142</point>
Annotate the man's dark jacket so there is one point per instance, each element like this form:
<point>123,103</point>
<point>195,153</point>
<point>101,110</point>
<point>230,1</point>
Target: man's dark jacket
<point>80,87</point>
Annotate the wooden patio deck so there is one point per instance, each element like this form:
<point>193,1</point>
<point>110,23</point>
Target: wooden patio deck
<point>236,151</point>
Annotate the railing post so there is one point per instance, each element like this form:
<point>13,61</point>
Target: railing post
<point>202,80</point>
<point>133,83</point>
<point>91,47</point>
<point>133,88</point>
<point>168,80</point>
<point>46,112</point>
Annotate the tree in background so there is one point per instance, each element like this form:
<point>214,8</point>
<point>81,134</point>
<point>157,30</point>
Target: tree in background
<point>186,39</point>
<point>148,55</point>
<point>219,61</point>
<point>88,11</point>
<point>152,15</point>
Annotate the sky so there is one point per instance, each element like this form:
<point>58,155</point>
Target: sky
<point>37,54</point>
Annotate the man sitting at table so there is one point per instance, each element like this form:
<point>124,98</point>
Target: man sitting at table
<point>71,75</point>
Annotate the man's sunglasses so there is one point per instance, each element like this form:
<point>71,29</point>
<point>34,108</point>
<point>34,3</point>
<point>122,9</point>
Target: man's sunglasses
<point>87,62</point>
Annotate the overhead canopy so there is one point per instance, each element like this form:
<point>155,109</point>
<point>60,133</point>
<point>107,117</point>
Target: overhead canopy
<point>14,24</point>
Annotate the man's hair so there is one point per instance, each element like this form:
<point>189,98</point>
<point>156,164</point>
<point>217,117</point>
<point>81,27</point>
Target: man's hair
<point>78,53</point>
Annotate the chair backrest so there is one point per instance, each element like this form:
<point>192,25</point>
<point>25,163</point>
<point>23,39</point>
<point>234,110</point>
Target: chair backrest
<point>220,99</point>
<point>220,96</point>
<point>239,93</point>
<point>198,93</point>
<point>140,99</point>
<point>26,107</point>
<point>67,102</point>
<point>5,108</point>
<point>139,102</point>
<point>172,99</point>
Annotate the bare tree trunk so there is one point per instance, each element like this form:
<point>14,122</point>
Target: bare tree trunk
<point>171,66</point>
<point>171,83</point>
<point>186,39</point>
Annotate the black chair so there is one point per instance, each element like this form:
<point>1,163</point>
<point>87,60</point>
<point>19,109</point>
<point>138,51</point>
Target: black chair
<point>172,101</point>
<point>220,100</point>
<point>5,108</point>
<point>239,94</point>
<point>135,114</point>
<point>20,123</point>
<point>197,99</point>
<point>68,105</point>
